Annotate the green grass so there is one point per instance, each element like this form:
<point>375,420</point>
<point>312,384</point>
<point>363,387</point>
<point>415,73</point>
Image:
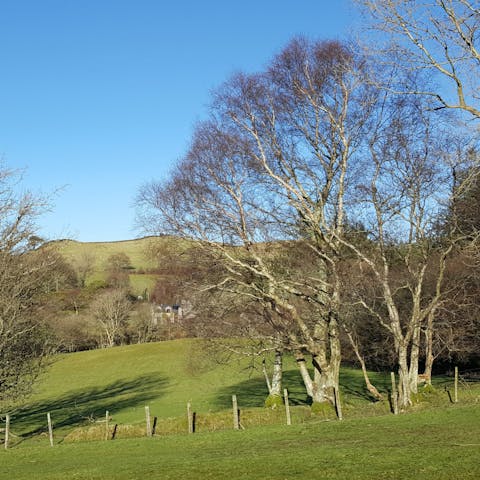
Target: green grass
<point>439,444</point>
<point>137,251</point>
<point>79,388</point>
<point>141,282</point>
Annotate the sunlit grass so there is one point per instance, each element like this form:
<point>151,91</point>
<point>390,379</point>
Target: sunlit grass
<point>440,444</point>
<point>79,388</point>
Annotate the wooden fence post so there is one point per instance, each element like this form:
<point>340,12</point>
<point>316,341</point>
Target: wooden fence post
<point>7,429</point>
<point>394,394</point>
<point>338,405</point>
<point>456,386</point>
<point>50,428</point>
<point>287,406</point>
<point>106,425</point>
<point>236,419</point>
<point>147,421</point>
<point>190,417</point>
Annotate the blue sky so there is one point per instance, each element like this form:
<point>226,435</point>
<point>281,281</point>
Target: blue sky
<point>99,97</point>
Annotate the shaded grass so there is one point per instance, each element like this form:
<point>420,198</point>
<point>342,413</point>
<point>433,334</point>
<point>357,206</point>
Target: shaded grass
<point>440,444</point>
<point>87,404</point>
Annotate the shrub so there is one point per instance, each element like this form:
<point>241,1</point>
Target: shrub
<point>273,401</point>
<point>323,409</point>
<point>427,394</point>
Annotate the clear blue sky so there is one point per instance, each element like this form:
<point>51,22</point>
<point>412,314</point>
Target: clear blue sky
<point>99,96</point>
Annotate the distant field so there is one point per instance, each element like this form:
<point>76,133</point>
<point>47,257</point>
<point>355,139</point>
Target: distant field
<point>138,251</point>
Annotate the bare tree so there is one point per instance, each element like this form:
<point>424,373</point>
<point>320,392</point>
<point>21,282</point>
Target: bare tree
<point>117,267</point>
<point>111,310</point>
<point>441,37</point>
<point>24,273</point>
<point>272,164</point>
<point>84,265</point>
<point>406,184</point>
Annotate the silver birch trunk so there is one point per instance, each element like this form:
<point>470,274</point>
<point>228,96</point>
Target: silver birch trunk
<point>276,384</point>
<point>414,355</point>
<point>427,374</point>
<point>326,364</point>
<point>305,374</point>
<point>404,392</point>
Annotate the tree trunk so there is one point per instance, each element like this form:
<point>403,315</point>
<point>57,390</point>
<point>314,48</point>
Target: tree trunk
<point>414,355</point>
<point>404,392</point>
<point>275,384</point>
<point>325,382</point>
<point>321,389</point>
<point>307,379</point>
<point>427,374</point>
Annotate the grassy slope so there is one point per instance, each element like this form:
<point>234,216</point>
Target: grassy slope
<point>123,380</point>
<point>137,250</point>
<point>163,375</point>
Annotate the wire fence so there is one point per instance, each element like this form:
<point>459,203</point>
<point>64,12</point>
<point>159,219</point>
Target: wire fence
<point>105,427</point>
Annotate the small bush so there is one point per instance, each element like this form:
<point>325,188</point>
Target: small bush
<point>274,401</point>
<point>426,394</point>
<point>323,409</point>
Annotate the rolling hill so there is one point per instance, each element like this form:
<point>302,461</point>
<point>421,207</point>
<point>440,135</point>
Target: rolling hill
<point>95,255</point>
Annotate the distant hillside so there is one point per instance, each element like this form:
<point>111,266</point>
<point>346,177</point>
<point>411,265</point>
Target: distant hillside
<point>95,257</point>
<point>137,250</point>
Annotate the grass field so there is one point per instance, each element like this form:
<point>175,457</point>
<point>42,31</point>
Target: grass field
<point>123,380</point>
<point>439,444</point>
<point>165,376</point>
<point>138,251</point>
<point>442,442</point>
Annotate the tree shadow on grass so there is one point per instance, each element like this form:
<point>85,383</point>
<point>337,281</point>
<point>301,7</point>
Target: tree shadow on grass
<point>253,392</point>
<point>352,383</point>
<point>84,405</point>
